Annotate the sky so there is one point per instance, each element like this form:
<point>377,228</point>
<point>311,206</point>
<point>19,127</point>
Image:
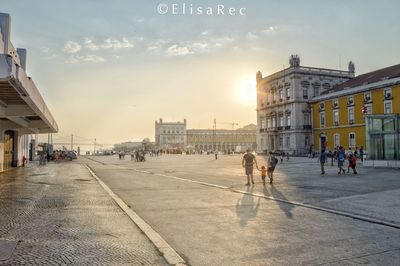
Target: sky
<point>109,69</point>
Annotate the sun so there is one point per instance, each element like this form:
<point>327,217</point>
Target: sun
<point>246,92</point>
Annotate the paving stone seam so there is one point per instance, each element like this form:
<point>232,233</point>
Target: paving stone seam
<point>170,255</point>
<point>357,257</point>
<point>304,205</point>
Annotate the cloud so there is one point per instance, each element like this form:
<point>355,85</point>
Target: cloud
<point>176,50</point>
<point>155,47</point>
<point>90,58</point>
<point>271,30</point>
<point>116,44</point>
<point>72,47</point>
<point>251,36</point>
<point>89,44</point>
<point>199,46</point>
<point>108,43</point>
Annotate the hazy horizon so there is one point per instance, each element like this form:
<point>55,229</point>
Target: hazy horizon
<point>108,70</point>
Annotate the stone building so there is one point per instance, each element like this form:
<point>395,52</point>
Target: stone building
<point>283,109</point>
<point>170,135</point>
<point>223,140</point>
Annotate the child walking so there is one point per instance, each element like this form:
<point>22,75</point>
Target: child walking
<point>263,174</point>
<point>352,163</point>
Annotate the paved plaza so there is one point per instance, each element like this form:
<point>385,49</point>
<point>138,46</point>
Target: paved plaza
<point>201,207</point>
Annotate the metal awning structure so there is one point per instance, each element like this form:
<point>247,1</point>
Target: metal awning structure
<point>22,107</point>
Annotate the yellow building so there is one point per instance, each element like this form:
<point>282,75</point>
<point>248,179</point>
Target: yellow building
<point>339,114</point>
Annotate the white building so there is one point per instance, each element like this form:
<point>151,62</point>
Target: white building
<point>170,135</point>
<point>283,109</point>
<point>22,109</point>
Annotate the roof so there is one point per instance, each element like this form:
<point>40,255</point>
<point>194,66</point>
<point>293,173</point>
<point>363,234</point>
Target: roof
<point>367,78</point>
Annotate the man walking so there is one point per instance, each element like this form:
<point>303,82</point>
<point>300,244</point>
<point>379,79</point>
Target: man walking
<point>322,160</point>
<point>248,163</point>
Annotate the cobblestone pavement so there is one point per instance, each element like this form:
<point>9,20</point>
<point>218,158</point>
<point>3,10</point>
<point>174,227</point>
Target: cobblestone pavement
<point>59,215</point>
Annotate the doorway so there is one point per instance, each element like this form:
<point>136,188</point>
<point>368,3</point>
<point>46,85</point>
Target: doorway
<point>9,149</point>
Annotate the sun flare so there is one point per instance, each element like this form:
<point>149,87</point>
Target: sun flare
<point>246,92</point>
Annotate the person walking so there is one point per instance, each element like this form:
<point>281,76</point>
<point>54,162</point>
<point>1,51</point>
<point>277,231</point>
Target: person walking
<point>272,162</point>
<point>361,153</point>
<point>341,157</point>
<point>263,171</point>
<point>282,154</point>
<point>322,160</point>
<point>248,162</point>
<point>352,163</point>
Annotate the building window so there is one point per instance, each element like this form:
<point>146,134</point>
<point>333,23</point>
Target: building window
<point>322,106</point>
<point>269,122</point>
<point>307,141</point>
<point>388,107</point>
<point>316,91</point>
<point>336,140</point>
<point>351,115</point>
<point>307,120</point>
<point>335,103</point>
<point>280,141</point>
<point>288,120</point>
<point>388,93</point>
<point>352,140</point>
<point>350,100</point>
<point>368,107</point>
<point>281,121</point>
<point>287,93</point>
<point>287,141</point>
<point>367,97</point>
<point>322,119</point>
<point>336,117</point>
<point>262,122</point>
<point>305,93</point>
<point>274,121</point>
<point>280,95</point>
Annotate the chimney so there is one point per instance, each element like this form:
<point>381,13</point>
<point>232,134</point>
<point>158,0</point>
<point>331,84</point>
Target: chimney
<point>22,57</point>
<point>5,32</point>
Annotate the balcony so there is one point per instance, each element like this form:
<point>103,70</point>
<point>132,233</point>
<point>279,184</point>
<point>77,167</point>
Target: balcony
<point>262,130</point>
<point>280,128</point>
<point>287,127</point>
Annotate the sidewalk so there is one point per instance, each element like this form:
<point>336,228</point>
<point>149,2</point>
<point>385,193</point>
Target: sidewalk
<point>58,214</point>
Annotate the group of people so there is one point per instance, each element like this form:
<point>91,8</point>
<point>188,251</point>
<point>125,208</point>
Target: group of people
<point>341,156</point>
<point>136,155</point>
<point>248,162</point>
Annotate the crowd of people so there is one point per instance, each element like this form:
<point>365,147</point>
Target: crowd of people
<point>340,156</point>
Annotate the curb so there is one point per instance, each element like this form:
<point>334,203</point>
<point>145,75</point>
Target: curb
<point>170,255</point>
